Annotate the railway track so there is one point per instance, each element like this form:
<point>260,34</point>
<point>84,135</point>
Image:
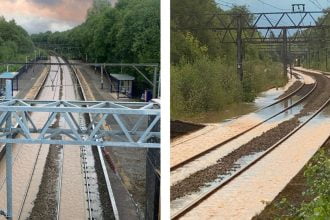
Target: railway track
<point>16,158</point>
<point>241,164</point>
<point>299,99</point>
<point>93,203</point>
<point>87,150</point>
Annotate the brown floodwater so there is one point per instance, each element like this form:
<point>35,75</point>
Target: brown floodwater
<point>249,193</point>
<point>73,202</point>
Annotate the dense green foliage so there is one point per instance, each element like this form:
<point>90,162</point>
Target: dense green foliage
<point>316,203</point>
<point>203,71</point>
<point>318,45</point>
<point>15,43</point>
<point>128,33</point>
<point>318,178</point>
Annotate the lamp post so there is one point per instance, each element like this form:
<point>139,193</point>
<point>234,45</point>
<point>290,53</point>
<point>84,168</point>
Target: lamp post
<point>26,62</point>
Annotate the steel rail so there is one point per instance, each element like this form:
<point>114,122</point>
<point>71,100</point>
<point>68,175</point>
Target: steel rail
<point>86,178</point>
<point>207,194</point>
<point>241,133</point>
<point>59,187</point>
<point>29,184</point>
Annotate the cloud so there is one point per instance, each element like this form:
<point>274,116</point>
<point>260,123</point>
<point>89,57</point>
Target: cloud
<point>60,14</point>
<point>46,2</point>
<point>36,24</point>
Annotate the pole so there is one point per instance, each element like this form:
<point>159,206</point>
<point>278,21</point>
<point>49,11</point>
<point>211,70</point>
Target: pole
<point>154,87</point>
<point>158,95</point>
<point>101,76</point>
<point>239,48</point>
<point>326,58</point>
<point>309,58</point>
<point>26,60</point>
<point>285,52</point>
<point>9,180</point>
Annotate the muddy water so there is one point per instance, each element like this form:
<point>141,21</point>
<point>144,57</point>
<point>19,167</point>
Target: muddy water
<point>248,194</point>
<point>26,156</point>
<point>211,157</point>
<point>193,144</point>
<point>24,161</point>
<point>238,109</point>
<point>72,203</point>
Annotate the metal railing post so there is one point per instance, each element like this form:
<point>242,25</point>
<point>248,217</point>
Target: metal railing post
<point>154,88</point>
<point>9,176</point>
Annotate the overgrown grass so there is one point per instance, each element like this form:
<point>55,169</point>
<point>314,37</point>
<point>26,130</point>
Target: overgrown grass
<point>317,195</point>
<point>210,85</point>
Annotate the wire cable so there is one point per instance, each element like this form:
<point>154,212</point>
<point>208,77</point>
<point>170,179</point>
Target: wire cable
<point>273,6</point>
<point>314,3</point>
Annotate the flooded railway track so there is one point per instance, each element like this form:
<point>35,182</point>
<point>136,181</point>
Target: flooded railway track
<point>94,168</point>
<point>86,167</point>
<point>230,167</point>
<point>266,113</point>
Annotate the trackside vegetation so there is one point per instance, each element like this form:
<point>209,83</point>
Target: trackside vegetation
<point>129,32</point>
<point>15,44</point>
<point>203,71</point>
<point>317,50</point>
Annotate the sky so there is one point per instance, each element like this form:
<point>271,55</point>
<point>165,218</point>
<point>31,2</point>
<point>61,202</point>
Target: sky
<point>42,15</point>
<point>276,5</point>
<point>264,6</point>
<point>59,15</point>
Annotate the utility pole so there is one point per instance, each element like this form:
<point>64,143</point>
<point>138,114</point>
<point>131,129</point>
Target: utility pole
<point>101,76</point>
<point>285,51</point>
<point>26,60</point>
<point>239,48</point>
<point>154,88</point>
<point>326,58</point>
<point>9,177</point>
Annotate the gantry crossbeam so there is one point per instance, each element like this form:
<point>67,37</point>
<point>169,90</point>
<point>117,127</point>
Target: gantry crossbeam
<point>226,25</point>
<point>125,124</point>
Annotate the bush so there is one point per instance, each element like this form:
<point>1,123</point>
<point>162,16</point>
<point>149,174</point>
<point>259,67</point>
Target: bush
<point>210,85</point>
<point>318,179</point>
